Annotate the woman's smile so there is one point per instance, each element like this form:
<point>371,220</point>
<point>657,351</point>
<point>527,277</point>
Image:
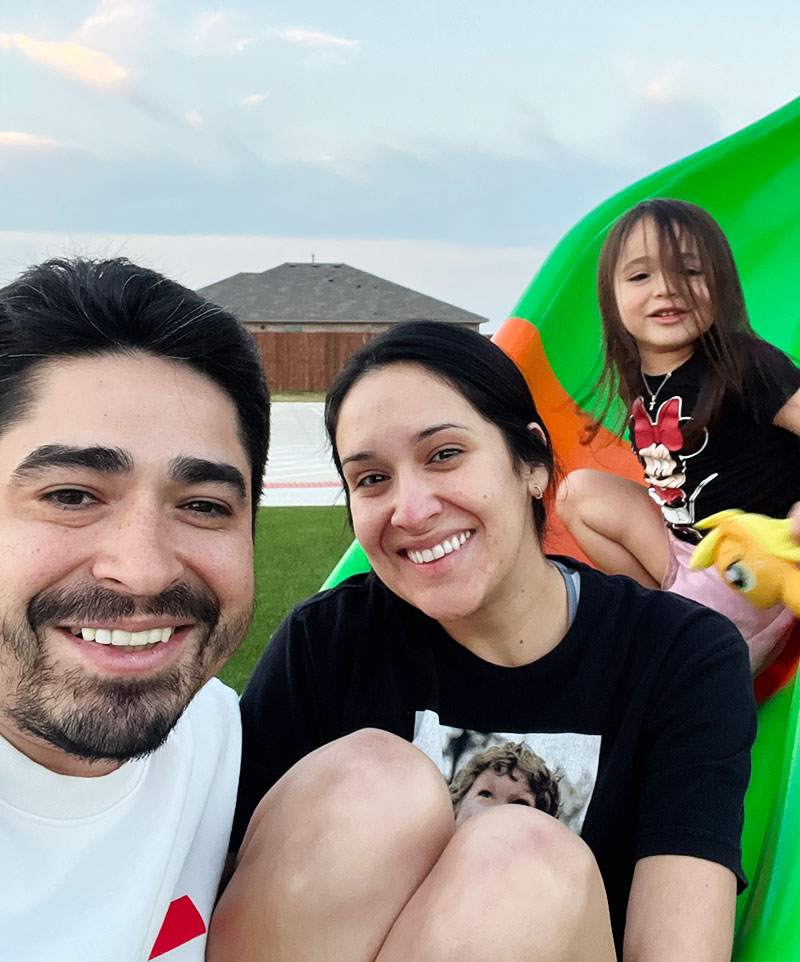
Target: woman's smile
<point>446,546</point>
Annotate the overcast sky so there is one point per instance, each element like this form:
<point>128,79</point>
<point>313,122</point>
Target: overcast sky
<point>443,145</point>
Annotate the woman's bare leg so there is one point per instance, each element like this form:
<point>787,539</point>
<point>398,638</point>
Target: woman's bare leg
<point>333,853</point>
<point>616,523</point>
<point>513,884</point>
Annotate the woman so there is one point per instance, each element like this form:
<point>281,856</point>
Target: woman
<point>465,635</point>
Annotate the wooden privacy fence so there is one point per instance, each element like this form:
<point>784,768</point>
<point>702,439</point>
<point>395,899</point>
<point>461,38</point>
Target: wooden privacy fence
<point>305,360</point>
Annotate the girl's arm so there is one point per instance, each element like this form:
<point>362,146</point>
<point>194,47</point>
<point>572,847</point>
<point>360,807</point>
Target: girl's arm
<point>788,418</point>
<point>681,909</point>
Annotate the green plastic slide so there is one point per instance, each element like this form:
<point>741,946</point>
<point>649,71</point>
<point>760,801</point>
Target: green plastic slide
<point>750,182</point>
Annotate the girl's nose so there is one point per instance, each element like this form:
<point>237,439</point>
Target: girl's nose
<point>664,284</point>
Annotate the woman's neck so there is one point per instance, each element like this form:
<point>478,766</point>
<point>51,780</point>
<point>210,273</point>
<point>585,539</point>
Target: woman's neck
<point>530,622</point>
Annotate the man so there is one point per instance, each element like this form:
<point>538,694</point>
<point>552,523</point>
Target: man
<point>134,421</point>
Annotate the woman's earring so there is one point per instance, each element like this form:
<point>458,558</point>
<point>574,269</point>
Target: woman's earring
<point>537,492</point>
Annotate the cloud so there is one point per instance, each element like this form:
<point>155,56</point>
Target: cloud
<point>91,67</point>
<point>212,34</point>
<point>253,100</point>
<point>18,139</point>
<point>114,24</point>
<point>692,125</point>
<point>657,90</point>
<point>195,119</point>
<point>313,38</point>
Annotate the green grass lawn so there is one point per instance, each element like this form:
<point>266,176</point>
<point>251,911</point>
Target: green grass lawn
<point>296,548</point>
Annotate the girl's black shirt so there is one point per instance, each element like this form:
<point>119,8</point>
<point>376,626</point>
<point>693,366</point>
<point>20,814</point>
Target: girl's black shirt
<point>743,461</point>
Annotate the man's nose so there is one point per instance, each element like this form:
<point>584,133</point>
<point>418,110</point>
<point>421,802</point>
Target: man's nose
<point>136,554</point>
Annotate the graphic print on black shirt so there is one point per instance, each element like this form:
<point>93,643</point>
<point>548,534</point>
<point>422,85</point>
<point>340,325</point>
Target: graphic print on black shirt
<point>660,447</point>
<point>742,459</point>
<point>566,766</point>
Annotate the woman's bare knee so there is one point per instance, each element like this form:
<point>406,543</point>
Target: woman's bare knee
<point>334,851</point>
<point>368,785</point>
<point>513,883</point>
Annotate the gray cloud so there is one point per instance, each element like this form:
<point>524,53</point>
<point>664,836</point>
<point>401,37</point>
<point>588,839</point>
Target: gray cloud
<point>450,194</point>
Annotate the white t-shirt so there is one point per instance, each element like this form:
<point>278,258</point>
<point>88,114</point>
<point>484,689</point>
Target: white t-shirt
<point>123,867</point>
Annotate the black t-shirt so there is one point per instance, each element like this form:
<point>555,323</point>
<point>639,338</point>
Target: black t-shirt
<point>742,461</point>
<point>644,711</point>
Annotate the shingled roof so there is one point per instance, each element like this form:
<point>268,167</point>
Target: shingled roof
<point>322,293</point>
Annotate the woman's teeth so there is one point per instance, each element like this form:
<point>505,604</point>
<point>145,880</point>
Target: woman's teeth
<point>123,639</point>
<point>447,546</point>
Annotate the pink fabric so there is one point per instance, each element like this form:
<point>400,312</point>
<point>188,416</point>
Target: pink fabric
<point>764,630</point>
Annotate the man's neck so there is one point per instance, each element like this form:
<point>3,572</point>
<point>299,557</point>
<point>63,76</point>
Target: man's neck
<point>55,759</point>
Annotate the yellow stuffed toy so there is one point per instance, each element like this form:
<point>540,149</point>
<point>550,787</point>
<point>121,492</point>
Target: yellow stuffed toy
<point>756,555</point>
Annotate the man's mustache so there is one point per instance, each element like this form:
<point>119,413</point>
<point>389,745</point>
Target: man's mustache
<point>90,603</point>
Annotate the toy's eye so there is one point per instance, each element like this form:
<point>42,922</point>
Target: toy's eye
<point>740,577</point>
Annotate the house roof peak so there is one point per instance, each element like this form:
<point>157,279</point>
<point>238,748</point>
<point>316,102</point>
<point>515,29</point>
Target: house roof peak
<point>327,292</point>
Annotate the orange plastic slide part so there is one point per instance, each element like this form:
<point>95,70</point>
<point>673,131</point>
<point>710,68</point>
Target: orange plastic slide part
<point>566,423</point>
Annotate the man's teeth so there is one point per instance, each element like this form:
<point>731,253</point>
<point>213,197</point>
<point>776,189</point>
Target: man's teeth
<point>448,546</point>
<point>123,639</point>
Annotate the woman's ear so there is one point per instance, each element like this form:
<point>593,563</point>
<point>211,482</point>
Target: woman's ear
<point>537,477</point>
<point>537,429</point>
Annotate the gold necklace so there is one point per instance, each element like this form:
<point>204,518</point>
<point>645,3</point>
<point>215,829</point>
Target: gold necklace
<point>653,396</point>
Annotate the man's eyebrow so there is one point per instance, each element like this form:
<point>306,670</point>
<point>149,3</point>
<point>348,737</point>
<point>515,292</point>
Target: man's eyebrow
<point>188,470</point>
<point>419,436</point>
<point>94,458</point>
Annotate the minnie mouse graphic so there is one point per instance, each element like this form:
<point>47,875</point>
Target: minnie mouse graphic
<point>659,445</point>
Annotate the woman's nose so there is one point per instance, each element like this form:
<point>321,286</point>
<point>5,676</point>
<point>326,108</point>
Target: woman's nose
<point>415,505</point>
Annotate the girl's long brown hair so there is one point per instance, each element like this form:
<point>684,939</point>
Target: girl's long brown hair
<point>725,343</point>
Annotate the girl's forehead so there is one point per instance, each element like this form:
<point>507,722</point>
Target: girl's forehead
<point>648,238</point>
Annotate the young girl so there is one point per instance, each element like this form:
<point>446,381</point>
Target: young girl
<point>713,412</point>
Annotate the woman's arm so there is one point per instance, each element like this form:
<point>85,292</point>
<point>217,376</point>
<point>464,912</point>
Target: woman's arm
<point>681,909</point>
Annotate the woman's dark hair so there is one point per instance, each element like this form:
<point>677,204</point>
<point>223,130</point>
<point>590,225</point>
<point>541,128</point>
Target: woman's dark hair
<point>728,352</point>
<point>88,308</point>
<point>471,365</point>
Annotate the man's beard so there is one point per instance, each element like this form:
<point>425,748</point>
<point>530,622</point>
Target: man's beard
<point>95,717</point>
